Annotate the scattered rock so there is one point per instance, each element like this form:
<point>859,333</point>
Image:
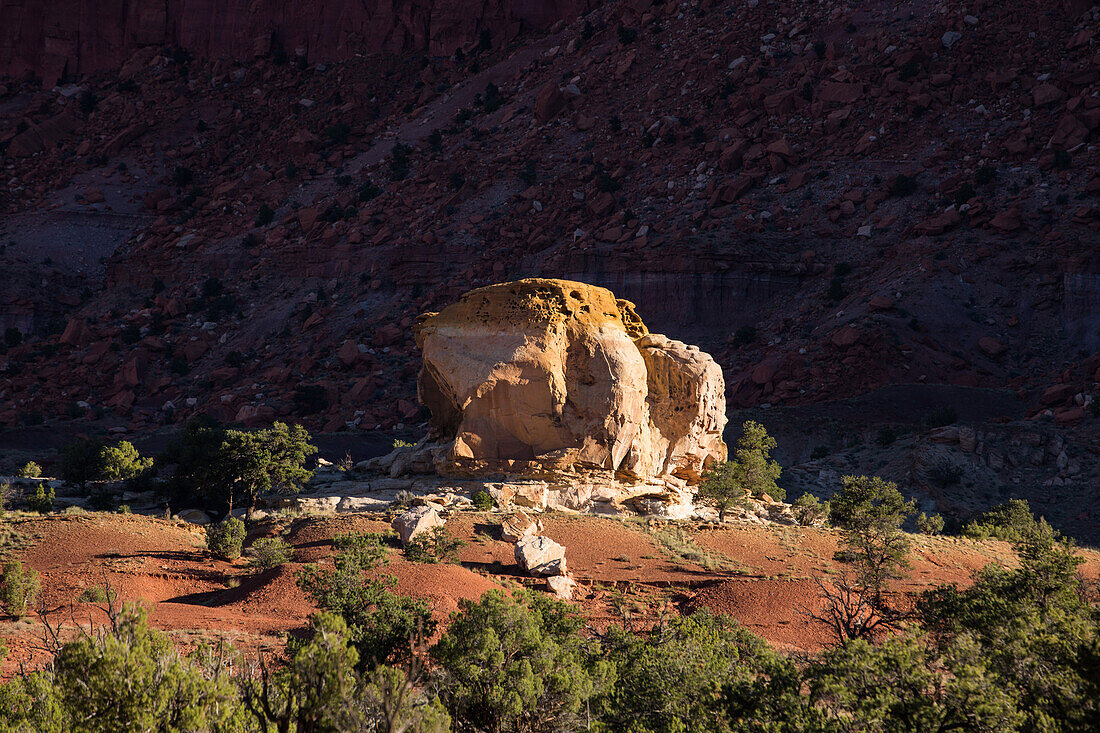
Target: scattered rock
<point>540,556</point>
<point>562,586</point>
<point>416,521</point>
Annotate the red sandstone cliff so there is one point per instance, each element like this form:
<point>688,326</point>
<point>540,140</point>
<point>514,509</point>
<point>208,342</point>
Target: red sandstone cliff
<point>50,40</point>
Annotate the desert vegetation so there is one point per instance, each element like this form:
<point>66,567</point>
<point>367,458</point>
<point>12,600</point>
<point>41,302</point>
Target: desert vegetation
<point>1015,651</point>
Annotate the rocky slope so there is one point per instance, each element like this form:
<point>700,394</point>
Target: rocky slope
<point>58,40</point>
<point>828,198</point>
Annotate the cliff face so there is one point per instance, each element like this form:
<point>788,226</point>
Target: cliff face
<point>50,40</point>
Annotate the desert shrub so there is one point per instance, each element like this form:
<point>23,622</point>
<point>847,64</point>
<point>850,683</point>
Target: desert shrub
<point>124,509</point>
<point>1012,521</point>
<point>517,663</point>
<point>809,510</point>
<point>751,472</point>
<point>81,461</point>
<point>887,434</point>
<point>929,524</point>
<point>836,289</point>
<point>385,625</point>
<point>13,337</point>
<point>103,501</point>
<point>399,161</point>
<point>696,674</point>
<point>269,552</point>
<point>903,185</point>
<point>121,462</point>
<point>435,545</point>
<point>626,35</point>
<point>944,472</point>
<point>31,470</point>
<point>402,500</point>
<point>97,594</point>
<point>483,502</point>
<point>42,501</point>
<point>19,588</point>
<point>226,538</point>
<point>744,335</point>
<point>528,174</point>
<point>338,133</point>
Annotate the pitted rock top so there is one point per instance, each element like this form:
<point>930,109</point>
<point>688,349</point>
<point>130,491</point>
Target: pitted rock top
<point>541,375</point>
<point>536,301</point>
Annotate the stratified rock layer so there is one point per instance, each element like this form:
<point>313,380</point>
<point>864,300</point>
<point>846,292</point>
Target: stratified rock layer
<point>547,375</point>
<point>51,40</point>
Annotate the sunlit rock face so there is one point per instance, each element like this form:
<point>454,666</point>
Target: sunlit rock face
<point>544,376</point>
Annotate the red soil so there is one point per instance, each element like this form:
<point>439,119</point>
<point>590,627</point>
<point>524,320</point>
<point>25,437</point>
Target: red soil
<point>762,576</point>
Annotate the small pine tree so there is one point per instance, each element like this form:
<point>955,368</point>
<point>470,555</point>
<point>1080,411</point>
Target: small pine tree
<point>42,501</point>
<point>18,589</point>
<point>121,462</point>
<point>226,538</point>
<point>269,552</point>
<point>31,470</point>
<point>929,524</point>
<point>436,545</point>
<point>752,472</point>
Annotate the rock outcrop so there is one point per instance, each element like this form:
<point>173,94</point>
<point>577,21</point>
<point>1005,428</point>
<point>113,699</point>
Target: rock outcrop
<point>542,376</point>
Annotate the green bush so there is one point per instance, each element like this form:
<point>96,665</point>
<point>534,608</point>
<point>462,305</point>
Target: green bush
<point>435,545</point>
<point>517,663</point>
<point>751,472</point>
<point>31,470</point>
<point>19,588</point>
<point>80,461</point>
<point>42,501</point>
<point>483,502</point>
<point>97,594</point>
<point>121,462</point>
<point>809,510</point>
<point>386,626</point>
<point>269,552</point>
<point>929,524</point>
<point>226,538</point>
<point>1011,521</point>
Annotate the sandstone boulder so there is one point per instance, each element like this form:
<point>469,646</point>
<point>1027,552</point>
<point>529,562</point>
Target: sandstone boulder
<point>561,586</point>
<point>194,516</point>
<point>540,556</point>
<point>550,375</point>
<point>518,526</point>
<point>416,521</point>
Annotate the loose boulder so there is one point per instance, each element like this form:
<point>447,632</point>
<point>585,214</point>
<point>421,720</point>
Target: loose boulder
<point>540,556</point>
<point>416,521</point>
<point>518,526</point>
<point>561,586</point>
<point>546,375</point>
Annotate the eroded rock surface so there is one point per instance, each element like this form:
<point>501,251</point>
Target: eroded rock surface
<point>543,376</point>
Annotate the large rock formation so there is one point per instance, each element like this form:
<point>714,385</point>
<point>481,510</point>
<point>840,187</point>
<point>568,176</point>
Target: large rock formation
<point>50,40</point>
<point>542,376</point>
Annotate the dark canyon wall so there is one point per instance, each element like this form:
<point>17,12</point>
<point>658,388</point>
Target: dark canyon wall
<point>53,38</point>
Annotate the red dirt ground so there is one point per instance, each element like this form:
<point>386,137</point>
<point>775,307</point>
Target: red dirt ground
<point>761,575</point>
